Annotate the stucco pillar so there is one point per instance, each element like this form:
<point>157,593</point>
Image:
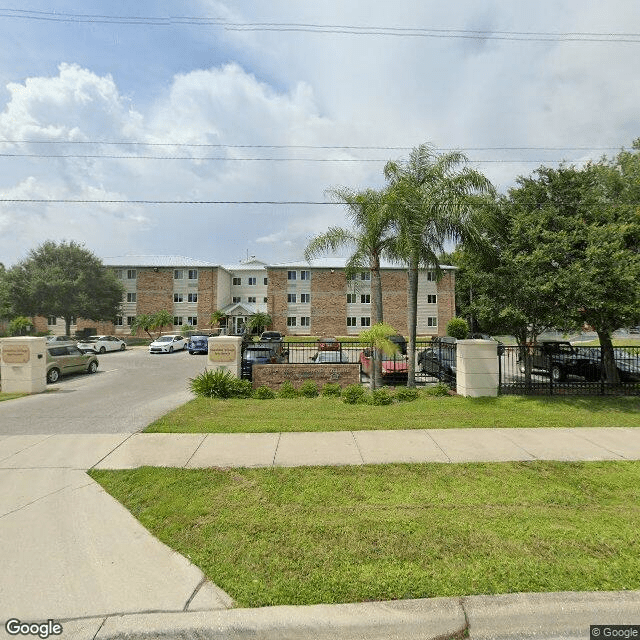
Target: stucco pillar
<point>225,352</point>
<point>477,368</point>
<point>23,363</point>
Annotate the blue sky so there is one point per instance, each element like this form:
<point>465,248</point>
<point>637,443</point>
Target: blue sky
<point>196,79</point>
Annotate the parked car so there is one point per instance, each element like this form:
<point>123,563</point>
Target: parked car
<point>400,342</point>
<point>198,344</point>
<point>439,361</point>
<point>328,344</point>
<point>101,344</point>
<point>271,336</point>
<point>261,353</point>
<point>559,358</point>
<point>394,365</point>
<point>60,340</point>
<point>168,344</point>
<point>330,357</point>
<point>627,364</point>
<point>65,359</point>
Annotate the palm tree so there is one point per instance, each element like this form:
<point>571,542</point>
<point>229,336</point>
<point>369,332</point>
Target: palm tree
<point>368,239</point>
<point>432,201</point>
<point>259,321</point>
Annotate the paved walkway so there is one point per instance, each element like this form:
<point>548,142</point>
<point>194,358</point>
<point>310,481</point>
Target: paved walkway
<point>71,553</point>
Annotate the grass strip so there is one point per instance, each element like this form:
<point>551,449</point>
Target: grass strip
<point>382,532</point>
<point>206,415</point>
<point>11,396</point>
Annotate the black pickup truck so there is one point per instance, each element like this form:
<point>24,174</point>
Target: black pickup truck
<point>559,359</point>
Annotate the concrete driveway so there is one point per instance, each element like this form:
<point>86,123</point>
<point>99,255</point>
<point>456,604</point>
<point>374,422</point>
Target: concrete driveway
<point>131,389</point>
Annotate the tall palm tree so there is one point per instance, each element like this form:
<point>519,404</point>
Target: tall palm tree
<point>432,200</point>
<point>368,239</point>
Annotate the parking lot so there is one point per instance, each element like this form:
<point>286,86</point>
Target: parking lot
<point>130,389</point>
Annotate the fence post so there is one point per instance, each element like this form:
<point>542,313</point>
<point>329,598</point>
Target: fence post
<point>477,368</point>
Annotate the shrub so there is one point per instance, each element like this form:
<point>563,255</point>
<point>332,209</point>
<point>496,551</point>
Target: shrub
<point>287,390</point>
<point>264,393</point>
<point>406,394</point>
<point>331,390</point>
<point>441,389</point>
<point>219,384</point>
<point>308,389</point>
<point>380,397</point>
<point>353,394</point>
<point>458,328</point>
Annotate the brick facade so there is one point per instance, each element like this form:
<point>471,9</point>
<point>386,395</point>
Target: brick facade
<point>207,295</point>
<point>446,300</point>
<point>328,302</point>
<point>394,299</point>
<point>277,299</point>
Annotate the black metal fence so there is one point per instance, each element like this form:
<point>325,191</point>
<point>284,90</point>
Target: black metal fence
<point>563,369</point>
<point>435,360</point>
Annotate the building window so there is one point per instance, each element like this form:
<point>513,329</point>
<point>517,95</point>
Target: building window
<point>431,298</point>
<point>365,275</point>
<point>177,321</point>
<point>130,320</point>
<point>192,297</point>
<point>131,297</point>
<point>365,321</point>
<point>351,298</point>
<point>291,275</point>
<point>193,274</point>
<point>305,275</point>
<point>431,276</point>
<point>252,281</point>
<point>351,321</point>
<point>51,321</point>
<point>193,321</point>
<point>305,297</point>
<point>352,276</point>
<point>178,274</point>
<point>251,299</point>
<point>177,297</point>
<point>118,322</point>
<point>237,281</point>
<point>291,321</point>
<point>432,321</point>
<point>365,298</point>
<point>265,299</point>
<point>305,321</point>
<point>291,297</point>
<point>266,281</point>
<point>118,273</point>
<point>131,274</point>
<point>235,299</point>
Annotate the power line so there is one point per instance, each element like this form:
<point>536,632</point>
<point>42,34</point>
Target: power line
<point>167,21</point>
<point>301,146</point>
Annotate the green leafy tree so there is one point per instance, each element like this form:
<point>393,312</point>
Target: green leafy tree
<point>433,200</point>
<point>378,336</point>
<point>20,326</point>
<point>64,280</point>
<point>458,328</point>
<point>217,317</point>
<point>6,310</point>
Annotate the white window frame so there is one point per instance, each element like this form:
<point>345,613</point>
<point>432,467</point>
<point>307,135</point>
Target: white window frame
<point>132,297</point>
<point>291,321</point>
<point>177,321</point>
<point>251,299</point>
<point>352,298</point>
<point>192,274</point>
<point>305,321</point>
<point>352,321</point>
<point>305,275</point>
<point>236,282</point>
<point>292,298</point>
<point>192,297</point>
<point>365,321</point>
<point>178,298</point>
<point>292,275</point>
<point>305,298</point>
<point>178,274</point>
<point>132,274</point>
<point>252,281</point>
<point>432,321</point>
<point>235,299</point>
<point>365,298</point>
<point>192,321</point>
<point>432,298</point>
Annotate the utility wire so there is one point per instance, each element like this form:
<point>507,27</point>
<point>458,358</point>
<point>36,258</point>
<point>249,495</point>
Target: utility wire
<point>164,21</point>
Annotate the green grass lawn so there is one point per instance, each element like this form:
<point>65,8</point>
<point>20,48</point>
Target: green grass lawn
<point>346,534</point>
<point>205,415</point>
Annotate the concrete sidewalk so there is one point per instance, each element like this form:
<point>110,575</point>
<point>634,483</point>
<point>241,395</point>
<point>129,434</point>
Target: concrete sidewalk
<point>71,553</point>
<point>127,451</point>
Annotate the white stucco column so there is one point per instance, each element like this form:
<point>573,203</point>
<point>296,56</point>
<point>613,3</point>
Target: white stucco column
<point>477,368</point>
<point>225,352</point>
<point>23,363</point>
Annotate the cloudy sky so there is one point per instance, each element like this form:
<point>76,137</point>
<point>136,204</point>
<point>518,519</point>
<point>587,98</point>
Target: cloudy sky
<point>277,101</point>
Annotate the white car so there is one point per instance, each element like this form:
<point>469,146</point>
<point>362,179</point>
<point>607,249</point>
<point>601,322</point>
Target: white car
<point>101,344</point>
<point>168,344</point>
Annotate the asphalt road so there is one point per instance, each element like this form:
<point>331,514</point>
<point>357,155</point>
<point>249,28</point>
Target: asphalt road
<point>131,389</point>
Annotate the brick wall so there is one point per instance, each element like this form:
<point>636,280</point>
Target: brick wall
<point>207,295</point>
<point>277,299</point>
<point>328,302</point>
<point>446,300</point>
<point>394,299</point>
<point>154,293</point>
<point>274,375</point>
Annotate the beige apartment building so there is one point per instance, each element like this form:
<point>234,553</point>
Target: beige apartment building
<point>302,298</point>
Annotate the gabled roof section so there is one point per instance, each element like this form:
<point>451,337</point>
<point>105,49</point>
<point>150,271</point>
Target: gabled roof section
<point>239,309</point>
<point>155,261</point>
<point>337,263</point>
